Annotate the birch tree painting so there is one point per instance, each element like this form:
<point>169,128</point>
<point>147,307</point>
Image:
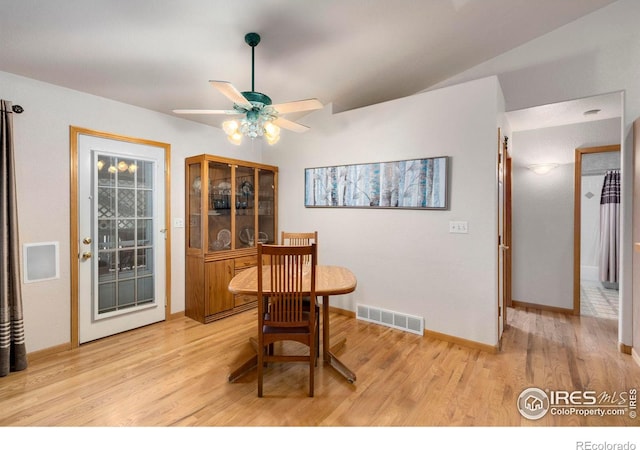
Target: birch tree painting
<point>415,184</point>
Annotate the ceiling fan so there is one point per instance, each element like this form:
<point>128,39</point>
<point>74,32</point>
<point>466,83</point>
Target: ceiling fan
<point>256,115</point>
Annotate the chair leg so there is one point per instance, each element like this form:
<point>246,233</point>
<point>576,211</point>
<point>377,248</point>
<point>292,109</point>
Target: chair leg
<point>312,368</point>
<point>317,333</point>
<point>260,370</point>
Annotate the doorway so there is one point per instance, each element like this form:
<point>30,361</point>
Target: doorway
<point>120,236</point>
<point>504,233</point>
<point>597,232</point>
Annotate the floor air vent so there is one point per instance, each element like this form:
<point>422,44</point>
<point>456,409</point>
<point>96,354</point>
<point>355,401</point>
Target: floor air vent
<point>405,322</point>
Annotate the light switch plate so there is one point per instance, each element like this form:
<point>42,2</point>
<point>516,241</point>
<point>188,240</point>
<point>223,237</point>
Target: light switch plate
<point>458,226</point>
<point>178,222</point>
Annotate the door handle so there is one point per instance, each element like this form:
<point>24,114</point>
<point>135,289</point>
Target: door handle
<point>87,255</point>
<point>504,247</point>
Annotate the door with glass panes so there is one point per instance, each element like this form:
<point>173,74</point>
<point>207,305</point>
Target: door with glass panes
<point>122,236</point>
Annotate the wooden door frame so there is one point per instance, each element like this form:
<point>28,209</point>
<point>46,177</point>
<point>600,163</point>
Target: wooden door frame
<point>504,238</point>
<point>507,217</point>
<point>577,215</point>
<point>74,245</point>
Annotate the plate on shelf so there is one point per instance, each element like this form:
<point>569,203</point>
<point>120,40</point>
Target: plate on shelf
<point>263,237</point>
<point>197,184</point>
<point>224,188</point>
<point>246,236</point>
<point>246,188</point>
<point>224,236</point>
<point>217,245</point>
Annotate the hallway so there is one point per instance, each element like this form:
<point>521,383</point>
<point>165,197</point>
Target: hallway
<point>596,301</point>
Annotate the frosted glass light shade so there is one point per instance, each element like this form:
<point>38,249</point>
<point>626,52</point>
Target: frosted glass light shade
<point>542,169</point>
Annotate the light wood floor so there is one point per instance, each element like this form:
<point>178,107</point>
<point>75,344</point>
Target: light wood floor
<point>174,374</point>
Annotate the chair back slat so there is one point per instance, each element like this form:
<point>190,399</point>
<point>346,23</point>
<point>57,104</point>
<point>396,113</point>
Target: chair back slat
<point>287,268</point>
<point>299,238</point>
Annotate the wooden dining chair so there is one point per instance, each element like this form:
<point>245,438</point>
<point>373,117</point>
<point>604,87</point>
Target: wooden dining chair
<point>303,238</point>
<point>282,315</point>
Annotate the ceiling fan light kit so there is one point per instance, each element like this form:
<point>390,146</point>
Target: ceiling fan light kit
<point>258,117</point>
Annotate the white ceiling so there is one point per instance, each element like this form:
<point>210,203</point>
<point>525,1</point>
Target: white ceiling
<point>160,54</point>
<point>599,107</point>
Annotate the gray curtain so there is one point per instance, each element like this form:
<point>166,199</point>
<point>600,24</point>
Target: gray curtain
<point>13,353</point>
<point>610,227</point>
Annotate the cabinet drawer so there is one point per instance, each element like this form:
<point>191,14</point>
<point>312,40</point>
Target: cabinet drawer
<point>245,262</point>
<point>243,299</point>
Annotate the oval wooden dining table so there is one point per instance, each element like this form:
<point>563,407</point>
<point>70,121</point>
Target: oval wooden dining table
<point>330,280</point>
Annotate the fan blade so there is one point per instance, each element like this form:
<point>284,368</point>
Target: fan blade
<point>290,125</point>
<point>300,105</point>
<point>228,112</point>
<point>228,90</point>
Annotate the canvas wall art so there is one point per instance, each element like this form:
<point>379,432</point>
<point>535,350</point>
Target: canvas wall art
<point>409,184</point>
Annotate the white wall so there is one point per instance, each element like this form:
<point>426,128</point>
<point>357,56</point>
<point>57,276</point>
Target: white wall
<point>41,137</point>
<point>542,245</point>
<point>594,55</point>
<point>406,260</point>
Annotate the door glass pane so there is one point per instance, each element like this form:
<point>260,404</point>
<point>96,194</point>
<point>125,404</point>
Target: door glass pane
<point>266,207</point>
<point>144,174</point>
<point>145,262</point>
<point>107,295</point>
<point>126,172</point>
<point>126,294</point>
<point>126,268</point>
<point>245,200</point>
<point>126,233</point>
<point>145,289</point>
<point>106,170</point>
<point>145,198</point>
<point>125,226</point>
<point>106,266</point>
<point>106,234</point>
<point>220,204</point>
<point>145,232</point>
<point>194,206</point>
<point>106,202</point>
<point>126,202</point>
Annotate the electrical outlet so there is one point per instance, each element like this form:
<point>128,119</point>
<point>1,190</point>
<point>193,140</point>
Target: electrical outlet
<point>178,223</point>
<point>458,226</point>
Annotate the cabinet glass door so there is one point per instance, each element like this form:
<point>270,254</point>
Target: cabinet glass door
<point>245,207</point>
<point>219,206</point>
<point>266,207</point>
<point>194,207</point>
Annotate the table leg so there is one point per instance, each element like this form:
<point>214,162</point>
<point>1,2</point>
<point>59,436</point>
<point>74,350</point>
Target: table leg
<point>325,329</point>
<point>247,365</point>
<point>244,368</point>
<point>327,354</point>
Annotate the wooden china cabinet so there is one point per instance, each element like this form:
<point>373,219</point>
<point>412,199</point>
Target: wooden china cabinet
<point>231,205</point>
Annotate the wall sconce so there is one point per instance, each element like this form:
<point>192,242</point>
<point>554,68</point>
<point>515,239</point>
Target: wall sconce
<point>542,169</point>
